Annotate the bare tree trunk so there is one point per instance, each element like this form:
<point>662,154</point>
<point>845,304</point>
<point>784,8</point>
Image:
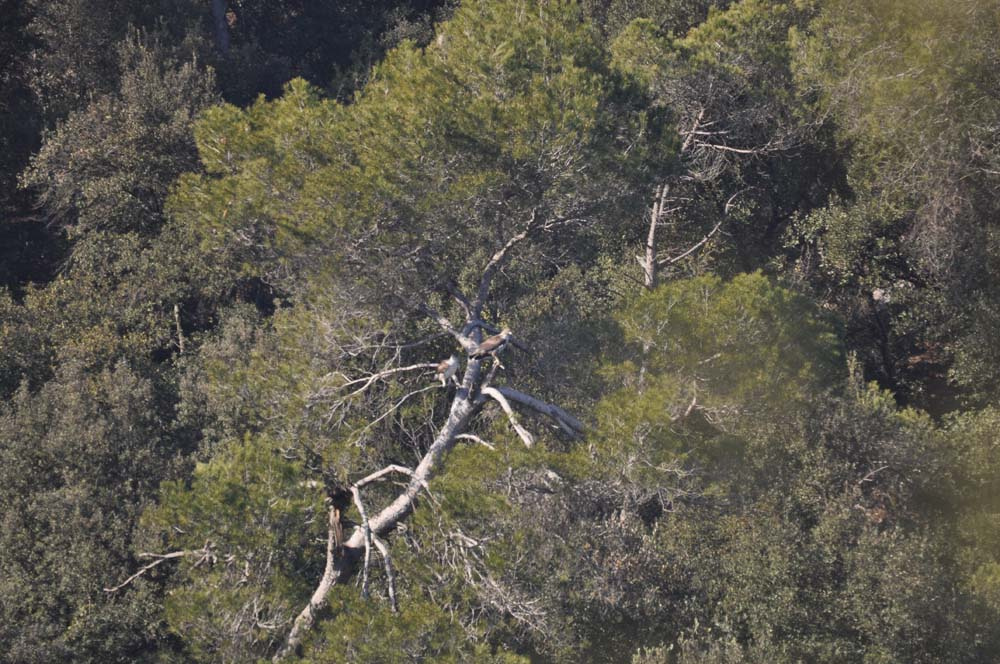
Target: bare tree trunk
<point>342,566</point>
<point>221,26</point>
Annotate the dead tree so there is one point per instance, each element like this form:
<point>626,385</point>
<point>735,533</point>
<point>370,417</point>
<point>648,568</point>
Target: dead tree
<point>475,389</point>
<point>348,554</point>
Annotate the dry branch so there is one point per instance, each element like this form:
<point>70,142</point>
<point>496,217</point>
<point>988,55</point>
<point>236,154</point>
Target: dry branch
<point>366,529</point>
<point>569,424</point>
<point>498,396</point>
<point>698,245</point>
<point>204,554</point>
<point>497,260</point>
<point>477,439</point>
<point>465,402</point>
<point>383,549</point>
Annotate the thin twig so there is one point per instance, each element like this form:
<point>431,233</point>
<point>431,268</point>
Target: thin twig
<point>679,257</point>
<point>495,261</point>
<point>393,409</point>
<point>371,378</point>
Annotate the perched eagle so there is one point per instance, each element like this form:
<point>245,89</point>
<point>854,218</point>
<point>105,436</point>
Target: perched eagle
<point>492,345</point>
<point>446,370</point>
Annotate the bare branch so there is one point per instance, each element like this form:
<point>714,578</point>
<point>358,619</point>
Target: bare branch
<point>459,297</point>
<point>467,343</point>
<point>725,148</point>
<point>392,409</point>
<point>690,134</point>
<point>731,200</point>
<point>385,344</point>
<point>393,468</point>
<point>419,342</point>
<point>180,330</point>
<point>477,439</point>
<point>366,529</point>
<point>649,264</point>
<point>204,554</point>
<point>371,378</point>
<point>462,409</point>
<point>500,399</point>
<point>691,406</point>
<point>491,375</point>
<point>698,245</point>
<point>569,424</point>
<point>868,477</point>
<point>497,259</point>
<point>479,324</point>
<point>383,549</point>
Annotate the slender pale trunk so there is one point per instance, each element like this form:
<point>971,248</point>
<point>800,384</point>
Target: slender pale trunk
<point>649,264</point>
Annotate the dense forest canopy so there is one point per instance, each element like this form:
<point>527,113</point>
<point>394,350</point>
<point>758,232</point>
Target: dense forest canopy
<point>641,331</point>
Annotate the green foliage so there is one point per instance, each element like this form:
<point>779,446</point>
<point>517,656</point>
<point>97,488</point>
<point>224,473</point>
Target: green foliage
<point>672,16</point>
<point>255,522</point>
<point>421,631</point>
<point>108,167</point>
<point>733,353</point>
<point>751,155</point>
<point>905,80</point>
<point>445,150</point>
<point>973,438</point>
<point>908,85</point>
<point>79,461</point>
<point>765,520</point>
<point>216,276</point>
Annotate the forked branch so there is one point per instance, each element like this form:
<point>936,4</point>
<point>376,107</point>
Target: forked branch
<point>367,381</point>
<point>342,565</point>
<point>571,425</point>
<point>498,396</point>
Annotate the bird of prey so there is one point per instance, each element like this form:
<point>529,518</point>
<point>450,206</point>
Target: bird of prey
<point>492,346</point>
<point>446,370</point>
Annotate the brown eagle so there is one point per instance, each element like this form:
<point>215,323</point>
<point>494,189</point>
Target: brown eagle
<point>492,345</point>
